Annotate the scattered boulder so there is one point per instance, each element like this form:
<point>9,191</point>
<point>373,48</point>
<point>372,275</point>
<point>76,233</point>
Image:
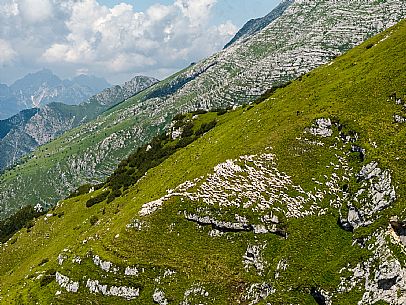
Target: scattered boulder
<point>352,221</point>
<point>131,271</point>
<point>354,218</point>
<point>159,297</point>
<point>66,282</point>
<point>399,119</point>
<point>38,208</point>
<point>151,207</point>
<point>193,293</point>
<point>322,128</point>
<point>129,293</point>
<point>222,226</point>
<point>104,265</point>
<point>258,292</point>
<point>253,257</point>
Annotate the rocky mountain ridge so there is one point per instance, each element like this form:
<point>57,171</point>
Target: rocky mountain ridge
<point>43,87</point>
<point>308,34</point>
<point>19,137</point>
<point>255,25</point>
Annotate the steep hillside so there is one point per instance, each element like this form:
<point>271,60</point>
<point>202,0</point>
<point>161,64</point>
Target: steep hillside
<point>43,87</point>
<point>255,25</point>
<point>297,200</point>
<point>18,120</point>
<point>19,137</point>
<point>306,35</point>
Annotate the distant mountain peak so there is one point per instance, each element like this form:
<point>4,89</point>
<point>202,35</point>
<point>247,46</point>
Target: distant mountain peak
<point>91,81</point>
<point>36,79</point>
<point>43,87</point>
<point>30,128</point>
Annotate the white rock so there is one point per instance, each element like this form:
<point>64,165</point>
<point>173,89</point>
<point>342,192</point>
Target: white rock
<point>151,207</point>
<point>38,208</point>
<point>322,128</point>
<point>131,271</point>
<point>159,297</point>
<point>64,282</point>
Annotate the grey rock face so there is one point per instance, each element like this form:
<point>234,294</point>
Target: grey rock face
<point>322,127</point>
<point>382,276</point>
<point>255,25</point>
<point>17,120</point>
<point>376,193</point>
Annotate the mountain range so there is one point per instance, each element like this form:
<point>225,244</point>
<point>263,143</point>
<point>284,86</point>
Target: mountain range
<point>22,133</point>
<point>43,87</point>
<point>297,198</point>
<point>287,48</point>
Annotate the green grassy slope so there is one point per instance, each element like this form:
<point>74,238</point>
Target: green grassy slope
<point>353,90</point>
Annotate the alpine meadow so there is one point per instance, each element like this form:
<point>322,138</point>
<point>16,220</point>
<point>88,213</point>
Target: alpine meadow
<point>272,172</point>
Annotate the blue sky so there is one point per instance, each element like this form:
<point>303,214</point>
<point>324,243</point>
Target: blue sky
<point>238,11</point>
<point>116,39</point>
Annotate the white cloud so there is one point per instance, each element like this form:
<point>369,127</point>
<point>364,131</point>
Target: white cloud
<point>9,9</point>
<point>127,62</point>
<point>118,42</point>
<point>227,29</point>
<point>196,10</point>
<point>34,11</point>
<point>7,53</point>
<point>158,12</point>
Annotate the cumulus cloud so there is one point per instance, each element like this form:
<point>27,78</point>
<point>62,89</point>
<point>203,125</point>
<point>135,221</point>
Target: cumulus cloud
<point>7,53</point>
<point>196,10</point>
<point>35,11</point>
<point>117,42</point>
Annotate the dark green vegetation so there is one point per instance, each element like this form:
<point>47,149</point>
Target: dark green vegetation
<point>354,90</point>
<point>161,147</point>
<point>23,218</point>
<point>150,155</point>
<point>129,171</point>
<point>99,198</point>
